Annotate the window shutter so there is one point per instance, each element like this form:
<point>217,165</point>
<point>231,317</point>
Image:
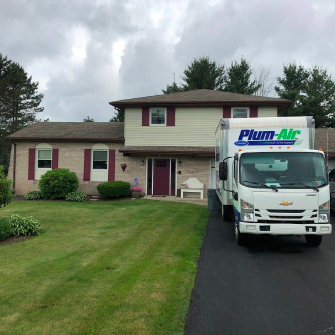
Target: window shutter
<point>55,154</point>
<point>111,165</point>
<point>253,111</point>
<point>31,164</point>
<point>87,165</point>
<point>226,112</point>
<point>145,116</point>
<point>171,117</point>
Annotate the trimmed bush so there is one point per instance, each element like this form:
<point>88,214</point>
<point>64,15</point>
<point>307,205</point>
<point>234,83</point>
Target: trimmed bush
<point>5,229</point>
<point>76,196</point>
<point>114,189</point>
<point>56,184</point>
<point>5,189</point>
<point>24,225</point>
<point>33,195</point>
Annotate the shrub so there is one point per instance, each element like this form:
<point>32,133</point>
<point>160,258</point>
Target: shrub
<point>33,195</point>
<point>58,183</point>
<point>114,189</point>
<point>76,196</point>
<point>5,189</point>
<point>24,225</point>
<point>5,229</point>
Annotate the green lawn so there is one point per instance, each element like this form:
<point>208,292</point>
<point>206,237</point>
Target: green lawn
<point>119,267</point>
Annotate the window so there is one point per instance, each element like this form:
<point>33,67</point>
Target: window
<point>240,113</point>
<point>44,159</point>
<point>157,116</point>
<point>99,160</point>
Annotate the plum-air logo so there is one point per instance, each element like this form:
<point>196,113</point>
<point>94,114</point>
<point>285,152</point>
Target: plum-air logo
<point>268,137</point>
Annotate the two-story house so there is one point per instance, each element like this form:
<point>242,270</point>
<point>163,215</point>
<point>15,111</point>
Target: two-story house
<point>164,141</point>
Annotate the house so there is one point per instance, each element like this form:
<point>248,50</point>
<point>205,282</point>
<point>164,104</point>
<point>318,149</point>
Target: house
<point>165,141</point>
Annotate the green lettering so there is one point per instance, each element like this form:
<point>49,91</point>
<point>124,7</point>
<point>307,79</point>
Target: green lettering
<point>282,135</point>
<point>289,135</point>
<point>295,133</point>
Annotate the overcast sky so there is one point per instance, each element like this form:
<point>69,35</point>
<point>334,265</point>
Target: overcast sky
<point>86,53</point>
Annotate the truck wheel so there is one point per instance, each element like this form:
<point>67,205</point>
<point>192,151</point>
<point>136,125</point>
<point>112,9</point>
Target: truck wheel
<point>313,240</point>
<point>241,239</point>
<point>226,213</point>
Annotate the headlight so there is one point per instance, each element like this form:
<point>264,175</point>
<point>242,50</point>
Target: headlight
<point>324,212</point>
<point>247,211</point>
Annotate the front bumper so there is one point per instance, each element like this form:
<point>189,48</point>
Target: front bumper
<point>285,228</point>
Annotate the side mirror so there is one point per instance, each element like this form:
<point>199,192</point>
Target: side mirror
<point>223,171</point>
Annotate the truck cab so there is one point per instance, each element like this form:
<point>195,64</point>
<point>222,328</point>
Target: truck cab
<point>281,192</point>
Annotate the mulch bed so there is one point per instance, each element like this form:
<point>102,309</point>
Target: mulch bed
<point>15,239</point>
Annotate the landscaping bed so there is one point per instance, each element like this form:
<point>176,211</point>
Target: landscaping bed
<point>123,267</point>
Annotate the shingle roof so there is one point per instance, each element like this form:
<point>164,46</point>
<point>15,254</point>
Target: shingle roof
<point>63,131</point>
<point>202,97</point>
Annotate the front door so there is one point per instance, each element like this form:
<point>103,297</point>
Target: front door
<point>161,176</point>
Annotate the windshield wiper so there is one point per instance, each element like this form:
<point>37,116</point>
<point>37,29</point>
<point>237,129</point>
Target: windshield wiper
<point>303,184</point>
<point>264,185</point>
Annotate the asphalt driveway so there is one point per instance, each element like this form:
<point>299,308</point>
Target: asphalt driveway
<point>275,285</point>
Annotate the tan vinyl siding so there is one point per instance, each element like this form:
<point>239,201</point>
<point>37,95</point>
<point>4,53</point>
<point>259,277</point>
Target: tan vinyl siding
<point>267,111</point>
<point>193,127</point>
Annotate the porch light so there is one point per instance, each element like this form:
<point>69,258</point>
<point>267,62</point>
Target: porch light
<point>179,163</point>
<point>142,162</point>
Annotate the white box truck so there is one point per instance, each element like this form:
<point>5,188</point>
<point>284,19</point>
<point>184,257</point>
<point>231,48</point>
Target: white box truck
<point>269,178</point>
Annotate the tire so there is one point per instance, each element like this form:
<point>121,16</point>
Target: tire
<point>227,213</point>
<point>241,239</point>
<point>313,240</point>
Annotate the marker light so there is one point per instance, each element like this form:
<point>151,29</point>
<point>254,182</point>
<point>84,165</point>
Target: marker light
<point>271,147</point>
<point>279,147</point>
<point>239,149</point>
<point>320,149</point>
<point>288,147</point>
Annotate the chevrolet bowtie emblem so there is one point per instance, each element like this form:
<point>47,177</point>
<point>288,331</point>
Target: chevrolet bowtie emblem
<point>285,203</point>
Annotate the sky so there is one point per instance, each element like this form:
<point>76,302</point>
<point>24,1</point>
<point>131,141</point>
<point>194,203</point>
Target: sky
<point>86,53</point>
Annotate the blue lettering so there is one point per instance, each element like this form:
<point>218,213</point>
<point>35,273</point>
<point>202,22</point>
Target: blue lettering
<point>267,135</point>
<point>244,133</point>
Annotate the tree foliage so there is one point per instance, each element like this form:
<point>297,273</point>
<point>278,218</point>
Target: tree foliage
<point>19,99</point>
<point>204,73</point>
<point>237,79</point>
<point>119,117</point>
<point>5,189</point>
<point>312,92</point>
<point>88,119</point>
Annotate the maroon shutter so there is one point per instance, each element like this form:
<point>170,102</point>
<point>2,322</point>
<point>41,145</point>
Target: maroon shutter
<point>226,112</point>
<point>171,117</point>
<point>253,111</point>
<point>31,164</point>
<point>111,165</point>
<point>55,158</point>
<point>145,116</point>
<point>87,165</point>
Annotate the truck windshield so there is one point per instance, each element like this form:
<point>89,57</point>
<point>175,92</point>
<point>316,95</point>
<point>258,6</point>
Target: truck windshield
<point>283,170</point>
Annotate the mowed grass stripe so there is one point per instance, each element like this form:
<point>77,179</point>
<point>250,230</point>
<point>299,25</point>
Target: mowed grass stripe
<point>124,267</point>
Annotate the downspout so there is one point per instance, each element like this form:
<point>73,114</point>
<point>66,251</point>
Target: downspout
<point>14,166</point>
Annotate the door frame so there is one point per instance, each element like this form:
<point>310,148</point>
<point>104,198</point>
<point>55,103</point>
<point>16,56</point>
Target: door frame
<point>152,174</point>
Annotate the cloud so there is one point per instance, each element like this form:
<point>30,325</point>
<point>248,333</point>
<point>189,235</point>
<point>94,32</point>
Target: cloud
<point>86,53</point>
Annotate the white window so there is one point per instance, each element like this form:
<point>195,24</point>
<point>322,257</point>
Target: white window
<point>240,112</point>
<point>157,116</point>
<point>44,159</point>
<point>100,160</point>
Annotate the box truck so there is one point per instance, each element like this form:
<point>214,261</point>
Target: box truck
<point>269,178</point>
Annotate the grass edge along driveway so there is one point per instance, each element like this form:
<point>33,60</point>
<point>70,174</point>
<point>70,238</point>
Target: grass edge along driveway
<point>121,267</point>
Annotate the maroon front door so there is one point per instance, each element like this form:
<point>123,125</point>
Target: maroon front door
<point>161,176</point>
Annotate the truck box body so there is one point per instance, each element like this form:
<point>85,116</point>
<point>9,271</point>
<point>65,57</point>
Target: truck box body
<point>272,170</point>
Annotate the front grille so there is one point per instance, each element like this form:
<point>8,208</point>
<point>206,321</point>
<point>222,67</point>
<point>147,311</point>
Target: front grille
<point>286,217</point>
<point>281,221</point>
<point>290,211</point>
